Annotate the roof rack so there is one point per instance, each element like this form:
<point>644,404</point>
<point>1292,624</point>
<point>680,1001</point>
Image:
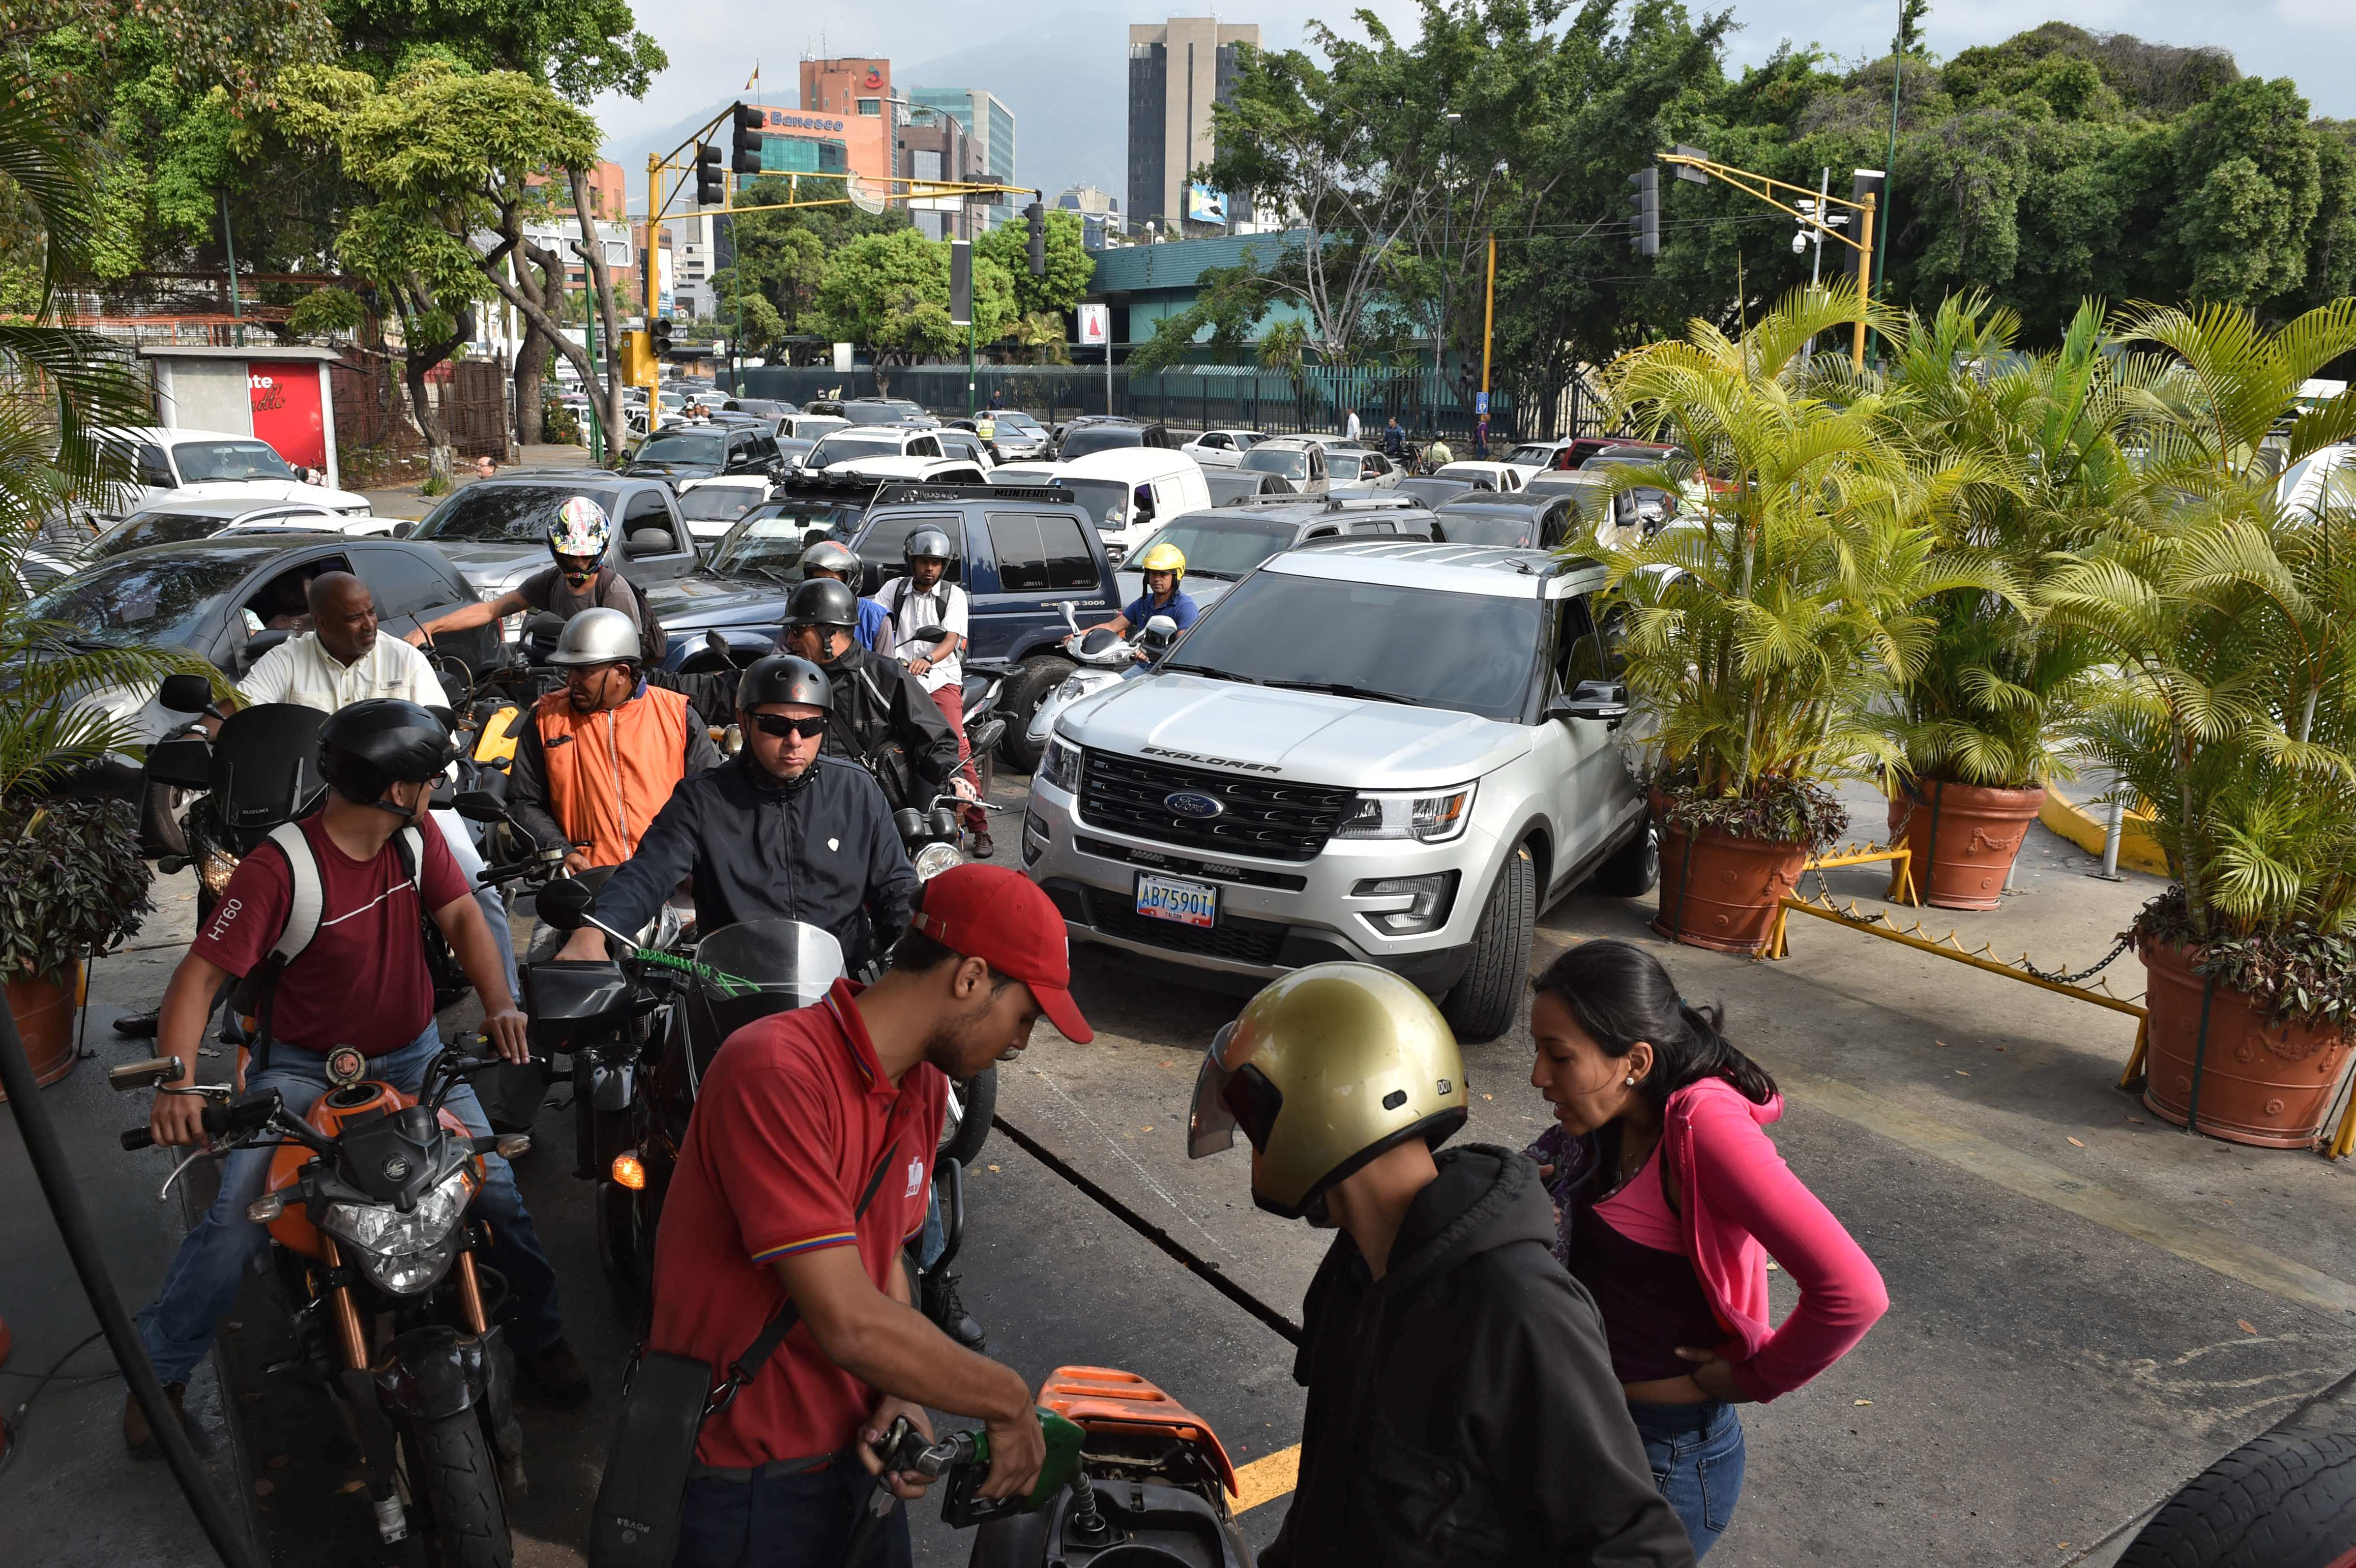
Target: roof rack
<point>898,492</point>
<point>1329,503</point>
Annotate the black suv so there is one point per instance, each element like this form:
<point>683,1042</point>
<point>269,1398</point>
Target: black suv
<point>707,451</point>
<point>1023,550</point>
<point>1104,433</point>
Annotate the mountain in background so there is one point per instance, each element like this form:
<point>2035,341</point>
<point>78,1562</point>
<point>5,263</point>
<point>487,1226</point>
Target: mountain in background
<point>1066,79</point>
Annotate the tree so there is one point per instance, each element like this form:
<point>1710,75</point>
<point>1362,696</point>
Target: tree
<point>891,291</point>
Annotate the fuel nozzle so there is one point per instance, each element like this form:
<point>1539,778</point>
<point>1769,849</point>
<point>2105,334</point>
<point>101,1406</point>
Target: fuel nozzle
<point>1083,1526</point>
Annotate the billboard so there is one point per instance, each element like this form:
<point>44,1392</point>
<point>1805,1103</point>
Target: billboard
<point>1204,205</point>
<point>287,411</point>
<point>1096,325</point>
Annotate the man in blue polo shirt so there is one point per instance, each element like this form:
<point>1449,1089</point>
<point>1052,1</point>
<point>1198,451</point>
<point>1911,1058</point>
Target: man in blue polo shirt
<point>1164,569</point>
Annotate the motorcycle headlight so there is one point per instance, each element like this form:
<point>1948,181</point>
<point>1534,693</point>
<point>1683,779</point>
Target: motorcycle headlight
<point>382,1230</point>
<point>409,1274</point>
<point>1061,765</point>
<point>1431,818</point>
<point>935,859</point>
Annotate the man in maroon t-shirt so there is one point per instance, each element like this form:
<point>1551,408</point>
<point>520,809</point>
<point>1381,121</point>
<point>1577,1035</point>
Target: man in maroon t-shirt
<point>362,981</point>
<point>799,1114</point>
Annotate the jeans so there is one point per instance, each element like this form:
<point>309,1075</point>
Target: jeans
<point>784,1522</point>
<point>950,701</point>
<point>1696,1452</point>
<point>202,1284</point>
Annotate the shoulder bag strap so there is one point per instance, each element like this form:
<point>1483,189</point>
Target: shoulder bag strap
<point>747,1367</point>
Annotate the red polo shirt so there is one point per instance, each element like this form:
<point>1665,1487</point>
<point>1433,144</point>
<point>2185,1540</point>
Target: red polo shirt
<point>788,1127</point>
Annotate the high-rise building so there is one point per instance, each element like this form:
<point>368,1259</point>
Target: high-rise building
<point>988,125</point>
<point>934,146</point>
<point>846,114</point>
<point>1176,71</point>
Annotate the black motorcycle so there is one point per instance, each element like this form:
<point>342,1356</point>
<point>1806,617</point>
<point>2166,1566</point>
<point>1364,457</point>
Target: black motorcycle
<point>261,771</point>
<point>372,1250</point>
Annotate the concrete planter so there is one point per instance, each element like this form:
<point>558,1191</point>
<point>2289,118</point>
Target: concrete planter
<point>2256,1082</point>
<point>45,1022</point>
<point>1965,838</point>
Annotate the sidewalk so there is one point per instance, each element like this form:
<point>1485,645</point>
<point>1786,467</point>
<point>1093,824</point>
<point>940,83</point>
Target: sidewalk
<point>403,501</point>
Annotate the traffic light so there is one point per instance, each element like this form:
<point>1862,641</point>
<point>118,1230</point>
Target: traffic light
<point>960,282</point>
<point>661,337</point>
<point>637,362</point>
<point>1035,215</point>
<point>711,181</point>
<point>748,140</point>
<point>1644,211</point>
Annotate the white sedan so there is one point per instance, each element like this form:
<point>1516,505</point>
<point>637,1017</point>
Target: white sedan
<point>1503,477</point>
<point>1222,448</point>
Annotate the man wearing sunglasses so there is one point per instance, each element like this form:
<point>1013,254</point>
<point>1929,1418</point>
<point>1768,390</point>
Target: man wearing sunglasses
<point>781,833</point>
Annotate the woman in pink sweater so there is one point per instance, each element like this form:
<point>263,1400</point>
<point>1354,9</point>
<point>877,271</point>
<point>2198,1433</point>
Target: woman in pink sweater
<point>1671,1199</point>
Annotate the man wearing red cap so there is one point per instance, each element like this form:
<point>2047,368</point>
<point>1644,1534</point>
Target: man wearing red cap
<point>802,1116</point>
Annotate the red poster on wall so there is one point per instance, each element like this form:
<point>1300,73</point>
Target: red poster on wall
<point>287,412</point>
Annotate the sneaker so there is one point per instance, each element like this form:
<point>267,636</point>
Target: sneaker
<point>555,1374</point>
<point>945,1307</point>
<point>138,1026</point>
<point>140,1438</point>
<point>982,849</point>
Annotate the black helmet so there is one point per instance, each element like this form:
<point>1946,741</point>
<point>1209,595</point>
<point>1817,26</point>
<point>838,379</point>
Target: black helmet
<point>927,543</point>
<point>782,678</point>
<point>366,747</point>
<point>823,602</point>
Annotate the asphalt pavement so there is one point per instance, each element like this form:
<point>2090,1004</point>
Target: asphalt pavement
<point>2088,1306</point>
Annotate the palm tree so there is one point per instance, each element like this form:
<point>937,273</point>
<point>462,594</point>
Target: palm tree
<point>1770,635</point>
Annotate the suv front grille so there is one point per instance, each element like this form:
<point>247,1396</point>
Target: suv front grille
<point>1267,818</point>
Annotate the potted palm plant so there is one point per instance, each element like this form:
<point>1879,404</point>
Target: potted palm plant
<point>2235,627</point>
<point>1984,725</point>
<point>1766,633</point>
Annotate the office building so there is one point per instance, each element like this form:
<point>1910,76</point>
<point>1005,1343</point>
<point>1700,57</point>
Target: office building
<point>1176,71</point>
<point>1099,212</point>
<point>934,146</point>
<point>988,125</point>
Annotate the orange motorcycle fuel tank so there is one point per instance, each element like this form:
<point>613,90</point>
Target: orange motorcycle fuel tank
<point>345,1103</point>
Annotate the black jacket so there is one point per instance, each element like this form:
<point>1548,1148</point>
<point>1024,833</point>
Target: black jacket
<point>527,792</point>
<point>1462,1410</point>
<point>878,706</point>
<point>824,853</point>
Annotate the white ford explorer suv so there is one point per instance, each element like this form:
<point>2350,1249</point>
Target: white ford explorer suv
<point>1389,751</point>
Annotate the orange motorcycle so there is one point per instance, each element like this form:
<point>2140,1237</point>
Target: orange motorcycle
<point>367,1202</point>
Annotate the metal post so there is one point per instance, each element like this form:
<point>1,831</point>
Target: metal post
<point>969,368</point>
<point>2113,831</point>
<point>1864,279</point>
<point>596,389</point>
<point>228,248</point>
<point>1107,359</point>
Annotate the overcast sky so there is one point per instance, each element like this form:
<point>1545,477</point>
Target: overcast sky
<point>1034,49</point>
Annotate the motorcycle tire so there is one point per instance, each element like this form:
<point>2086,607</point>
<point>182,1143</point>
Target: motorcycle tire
<point>1028,685</point>
<point>625,1247</point>
<point>161,832</point>
<point>456,1480</point>
<point>2283,1500</point>
<point>963,1141</point>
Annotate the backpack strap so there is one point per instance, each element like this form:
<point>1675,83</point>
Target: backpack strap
<point>409,845</point>
<point>304,909</point>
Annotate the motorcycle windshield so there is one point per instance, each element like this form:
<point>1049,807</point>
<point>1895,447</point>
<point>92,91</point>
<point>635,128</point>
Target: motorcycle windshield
<point>749,971</point>
<point>265,769</point>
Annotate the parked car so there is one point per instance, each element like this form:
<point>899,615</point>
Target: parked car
<point>1361,468</point>
<point>35,567</point>
<point>2326,477</point>
<point>1644,507</point>
<point>1629,454</point>
<point>1568,454</point>
<point>966,445</point>
<point>1509,522</point>
<point>1017,435</point>
<point>912,469</point>
<point>1298,460</point>
<point>1104,433</point>
<point>710,507</point>
<point>211,462</point>
<point>1021,550</point>
<point>1221,448</point>
<point>810,426</point>
<point>184,514</point>
<point>216,598</point>
<point>1224,546</point>
<point>1230,485</point>
<point>677,452</point>
<point>1387,751</point>
<point>763,407</point>
<point>1502,477</point>
<point>496,530</point>
<point>872,441</point>
<point>886,410</point>
<point>1433,491</point>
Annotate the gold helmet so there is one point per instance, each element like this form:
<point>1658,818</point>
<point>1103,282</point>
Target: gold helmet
<point>1327,1068</point>
<point>1165,557</point>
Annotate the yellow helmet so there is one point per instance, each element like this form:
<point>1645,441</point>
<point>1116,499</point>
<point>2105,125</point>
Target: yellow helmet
<point>1327,1068</point>
<point>1165,557</point>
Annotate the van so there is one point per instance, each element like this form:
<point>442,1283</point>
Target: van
<point>1127,490</point>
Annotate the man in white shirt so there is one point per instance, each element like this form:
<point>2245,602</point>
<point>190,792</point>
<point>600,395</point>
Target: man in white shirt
<point>925,598</point>
<point>1351,427</point>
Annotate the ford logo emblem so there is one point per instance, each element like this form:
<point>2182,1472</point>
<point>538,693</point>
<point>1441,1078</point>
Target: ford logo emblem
<point>1192,803</point>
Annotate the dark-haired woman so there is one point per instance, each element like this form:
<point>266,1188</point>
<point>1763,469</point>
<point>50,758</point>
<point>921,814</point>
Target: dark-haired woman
<point>1671,1201</point>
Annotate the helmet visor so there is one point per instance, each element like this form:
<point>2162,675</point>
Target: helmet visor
<point>1229,1095</point>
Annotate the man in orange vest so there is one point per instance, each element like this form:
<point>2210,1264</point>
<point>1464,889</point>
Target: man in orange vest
<point>601,757</point>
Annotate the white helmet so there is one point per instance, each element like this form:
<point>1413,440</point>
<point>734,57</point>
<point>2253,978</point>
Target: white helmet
<point>580,530</point>
<point>597,636</point>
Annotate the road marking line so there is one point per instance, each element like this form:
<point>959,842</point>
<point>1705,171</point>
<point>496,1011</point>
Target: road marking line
<point>2009,1168</point>
<point>1268,1478</point>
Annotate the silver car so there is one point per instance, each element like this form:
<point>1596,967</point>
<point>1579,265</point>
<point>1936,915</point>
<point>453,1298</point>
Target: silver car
<point>1389,751</point>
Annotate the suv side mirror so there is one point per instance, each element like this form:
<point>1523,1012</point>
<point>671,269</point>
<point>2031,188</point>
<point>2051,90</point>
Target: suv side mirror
<point>262,644</point>
<point>1597,701</point>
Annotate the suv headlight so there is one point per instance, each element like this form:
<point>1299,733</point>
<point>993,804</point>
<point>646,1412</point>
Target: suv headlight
<point>1061,765</point>
<point>1432,818</point>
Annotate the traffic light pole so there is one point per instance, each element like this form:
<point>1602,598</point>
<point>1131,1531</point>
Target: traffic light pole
<point>1762,187</point>
<point>1488,327</point>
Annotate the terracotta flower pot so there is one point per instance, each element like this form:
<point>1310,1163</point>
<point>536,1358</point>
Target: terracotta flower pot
<point>1980,831</point>
<point>2258,1081</point>
<point>1723,895</point>
<point>45,1022</point>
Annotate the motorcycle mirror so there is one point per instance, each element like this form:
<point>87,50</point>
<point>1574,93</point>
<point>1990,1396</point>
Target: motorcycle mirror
<point>928,634</point>
<point>1160,626</point>
<point>565,905</point>
<point>545,625</point>
<point>717,644</point>
<point>186,693</point>
<point>145,1074</point>
<point>479,805</point>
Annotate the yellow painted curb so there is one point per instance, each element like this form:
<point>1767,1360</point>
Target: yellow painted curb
<point>1266,1480</point>
<point>2138,851</point>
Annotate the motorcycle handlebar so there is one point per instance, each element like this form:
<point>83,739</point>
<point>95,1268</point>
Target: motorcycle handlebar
<point>138,1138</point>
<point>219,1119</point>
